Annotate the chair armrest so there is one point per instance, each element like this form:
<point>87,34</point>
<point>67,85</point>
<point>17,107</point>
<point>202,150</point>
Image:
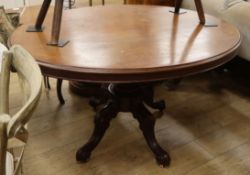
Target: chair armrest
<point>4,118</point>
<point>31,85</point>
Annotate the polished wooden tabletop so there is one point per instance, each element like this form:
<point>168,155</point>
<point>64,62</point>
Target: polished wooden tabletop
<point>128,43</point>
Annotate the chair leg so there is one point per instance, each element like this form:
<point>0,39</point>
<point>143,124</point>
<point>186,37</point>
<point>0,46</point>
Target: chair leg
<point>46,82</point>
<point>21,168</point>
<point>70,4</point>
<point>59,91</point>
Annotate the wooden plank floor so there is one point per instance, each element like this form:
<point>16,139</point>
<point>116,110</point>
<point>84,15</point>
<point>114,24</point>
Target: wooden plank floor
<point>205,130</point>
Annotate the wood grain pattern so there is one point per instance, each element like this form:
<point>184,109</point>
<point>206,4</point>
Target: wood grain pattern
<point>137,43</point>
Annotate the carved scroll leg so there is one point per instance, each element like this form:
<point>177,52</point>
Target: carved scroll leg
<point>147,122</point>
<point>148,98</point>
<point>102,121</point>
<point>94,102</point>
<point>101,97</point>
<point>59,91</point>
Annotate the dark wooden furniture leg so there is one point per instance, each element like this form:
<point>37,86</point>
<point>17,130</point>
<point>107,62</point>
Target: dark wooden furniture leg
<point>59,91</point>
<point>148,98</point>
<point>177,6</point>
<point>102,120</point>
<point>54,36</point>
<point>56,26</point>
<point>147,122</point>
<point>58,88</point>
<point>40,19</point>
<point>46,82</point>
<point>70,4</point>
<point>127,98</point>
<point>200,11</point>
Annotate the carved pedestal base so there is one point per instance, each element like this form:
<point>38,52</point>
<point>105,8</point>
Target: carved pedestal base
<point>127,98</point>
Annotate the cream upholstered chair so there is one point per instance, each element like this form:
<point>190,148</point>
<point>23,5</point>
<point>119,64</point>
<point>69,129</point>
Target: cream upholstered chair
<point>236,12</point>
<point>13,128</point>
<point>2,49</point>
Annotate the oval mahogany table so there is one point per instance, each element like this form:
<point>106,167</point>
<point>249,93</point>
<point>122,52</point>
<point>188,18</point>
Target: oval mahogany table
<point>128,47</point>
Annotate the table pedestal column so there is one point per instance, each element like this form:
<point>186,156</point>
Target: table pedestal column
<point>127,98</point>
<point>85,89</point>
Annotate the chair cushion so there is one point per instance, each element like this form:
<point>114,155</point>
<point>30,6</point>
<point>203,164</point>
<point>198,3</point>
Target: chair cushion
<point>2,48</point>
<point>9,164</point>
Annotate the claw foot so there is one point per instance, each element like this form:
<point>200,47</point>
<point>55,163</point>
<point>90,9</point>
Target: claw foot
<point>163,160</point>
<point>160,105</point>
<point>83,155</point>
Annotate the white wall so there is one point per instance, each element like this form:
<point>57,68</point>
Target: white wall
<point>35,2</point>
<point>19,3</point>
<point>11,3</point>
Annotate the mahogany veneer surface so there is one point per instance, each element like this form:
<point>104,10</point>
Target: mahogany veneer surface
<point>128,43</point>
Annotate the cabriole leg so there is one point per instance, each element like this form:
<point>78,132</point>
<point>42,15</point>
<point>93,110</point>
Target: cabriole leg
<point>102,121</point>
